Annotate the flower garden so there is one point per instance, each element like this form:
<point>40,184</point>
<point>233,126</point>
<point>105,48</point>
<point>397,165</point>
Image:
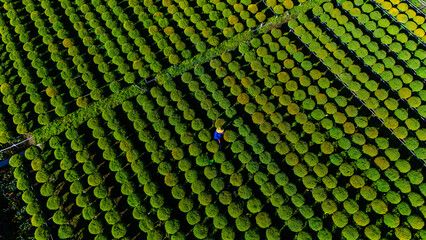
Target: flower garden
<point>322,102</point>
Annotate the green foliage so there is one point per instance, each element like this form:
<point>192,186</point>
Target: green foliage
<point>186,204</point>
<point>16,160</point>
<point>42,232</point>
<point>306,211</point>
<point>95,226</point>
<point>106,204</point>
<point>298,200</point>
<point>42,176</point>
<point>416,199</point>
<point>83,200</point>
<point>200,231</point>
<point>306,112</point>
<point>193,217</point>
<point>212,210</point>
<point>119,230</point>
<point>416,222</point>
<point>254,205</point>
<point>393,197</point>
<point>60,217</point>
<point>53,202</point>
<point>28,196</point>
<point>295,224</point>
<point>372,232</point>
<point>172,226</point>
<point>329,206</point>
<point>350,232</point>
<point>71,175</point>
<point>77,187</point>
<point>415,177</point>
<point>245,192</point>
<point>351,206</point>
<point>357,181</point>
<point>89,212</point>
<point>319,194</point>
<point>391,220</point>
<point>242,223</point>
<point>340,219</point>
<point>361,218</point>
<point>100,191</point>
<point>94,179</point>
<point>340,194</point>
<point>33,208</point>
<point>47,189</point>
<point>65,232</point>
<point>263,220</point>
<point>403,185</point>
<point>315,223</point>
<point>379,206</point>
<point>329,181</point>
<point>368,193</point>
<point>403,233</point>
<point>164,213</point>
<point>404,208</point>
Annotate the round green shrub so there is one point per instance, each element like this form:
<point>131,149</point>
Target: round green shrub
<point>254,205</point>
<point>319,194</point>
<point>263,219</point>
<point>212,210</point>
<point>393,197</point>
<point>65,232</point>
<point>95,226</point>
<point>416,222</point>
<point>403,233</point>
<point>372,232</point>
<point>242,223</point>
<point>193,217</point>
<point>53,202</point>
<point>146,224</point>
<point>416,199</point>
<point>403,165</point>
<point>368,193</point>
<point>340,194</point>
<point>329,181</point>
<point>404,208</point>
<point>228,233</point>
<point>315,223</point>
<point>295,224</point>
<point>172,226</point>
<point>324,234</point>
<point>350,232</point>
<point>351,206</point>
<point>329,206</point>
<point>42,232</point>
<point>382,185</point>
<point>391,220</point>
<point>285,212</point>
<point>379,206</point>
<point>60,217</point>
<point>340,219</point>
<point>403,185</point>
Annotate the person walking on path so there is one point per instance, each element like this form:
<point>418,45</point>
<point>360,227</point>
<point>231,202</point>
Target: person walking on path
<point>218,135</point>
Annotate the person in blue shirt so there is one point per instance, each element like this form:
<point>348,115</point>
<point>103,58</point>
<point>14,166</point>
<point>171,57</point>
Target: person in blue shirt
<point>218,135</point>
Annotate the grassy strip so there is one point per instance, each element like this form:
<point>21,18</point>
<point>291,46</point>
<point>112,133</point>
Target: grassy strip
<point>80,116</point>
<point>201,58</point>
<point>292,14</point>
<point>232,43</point>
<point>83,114</point>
